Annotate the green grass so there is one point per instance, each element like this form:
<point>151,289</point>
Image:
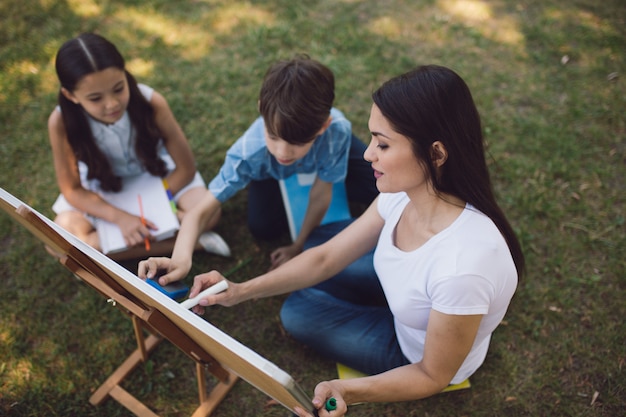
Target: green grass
<point>549,78</point>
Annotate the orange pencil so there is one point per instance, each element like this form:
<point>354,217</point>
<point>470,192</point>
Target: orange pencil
<point>146,241</point>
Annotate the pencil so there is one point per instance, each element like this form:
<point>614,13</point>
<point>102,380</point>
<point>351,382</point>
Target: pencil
<point>146,241</point>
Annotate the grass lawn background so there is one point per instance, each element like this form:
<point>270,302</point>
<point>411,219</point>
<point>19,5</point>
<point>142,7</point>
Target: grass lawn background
<point>549,80</point>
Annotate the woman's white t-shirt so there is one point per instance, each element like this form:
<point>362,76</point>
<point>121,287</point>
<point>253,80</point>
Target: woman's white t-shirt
<point>465,269</point>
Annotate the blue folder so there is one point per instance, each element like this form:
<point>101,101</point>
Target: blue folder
<point>295,193</point>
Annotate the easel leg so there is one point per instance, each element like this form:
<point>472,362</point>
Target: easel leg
<point>123,370</point>
<point>201,376</point>
<point>111,387</point>
<point>141,343</point>
<point>160,328</point>
<point>131,403</point>
<point>208,403</point>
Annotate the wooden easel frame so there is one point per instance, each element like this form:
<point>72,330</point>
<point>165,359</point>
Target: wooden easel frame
<point>143,318</point>
<point>212,350</point>
<point>150,319</point>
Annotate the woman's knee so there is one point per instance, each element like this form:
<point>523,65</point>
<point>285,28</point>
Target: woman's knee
<point>291,316</point>
<point>303,314</point>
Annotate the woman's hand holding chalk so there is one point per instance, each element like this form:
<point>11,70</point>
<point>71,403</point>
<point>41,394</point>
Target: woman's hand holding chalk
<point>214,289</point>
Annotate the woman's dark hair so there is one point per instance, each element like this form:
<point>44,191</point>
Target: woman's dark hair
<point>84,55</point>
<point>296,98</point>
<point>432,103</point>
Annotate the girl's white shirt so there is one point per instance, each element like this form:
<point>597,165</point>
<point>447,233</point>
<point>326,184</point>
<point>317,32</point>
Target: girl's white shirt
<point>117,142</point>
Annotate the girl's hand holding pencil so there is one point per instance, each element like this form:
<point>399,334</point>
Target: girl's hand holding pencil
<point>146,238</point>
<point>133,228</point>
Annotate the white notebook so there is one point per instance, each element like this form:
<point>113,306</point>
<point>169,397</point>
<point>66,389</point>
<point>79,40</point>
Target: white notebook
<point>157,208</point>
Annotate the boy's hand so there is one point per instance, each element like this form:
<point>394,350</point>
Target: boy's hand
<point>152,266</point>
<point>283,254</point>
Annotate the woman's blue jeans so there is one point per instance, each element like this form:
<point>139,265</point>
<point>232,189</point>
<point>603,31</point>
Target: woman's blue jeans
<point>346,318</point>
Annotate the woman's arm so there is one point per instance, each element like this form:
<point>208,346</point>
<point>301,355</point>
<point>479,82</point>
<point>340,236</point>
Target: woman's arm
<point>309,268</point>
<point>175,142</point>
<point>449,339</point>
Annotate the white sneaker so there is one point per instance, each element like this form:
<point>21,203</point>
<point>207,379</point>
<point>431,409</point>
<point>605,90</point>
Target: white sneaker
<point>211,242</point>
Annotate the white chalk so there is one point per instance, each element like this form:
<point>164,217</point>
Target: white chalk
<point>214,289</point>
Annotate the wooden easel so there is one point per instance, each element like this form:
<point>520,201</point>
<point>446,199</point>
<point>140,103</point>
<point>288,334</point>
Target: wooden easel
<point>143,318</point>
<point>151,320</point>
<point>211,349</point>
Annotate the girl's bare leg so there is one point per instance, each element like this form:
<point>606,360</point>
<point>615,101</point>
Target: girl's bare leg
<point>76,223</point>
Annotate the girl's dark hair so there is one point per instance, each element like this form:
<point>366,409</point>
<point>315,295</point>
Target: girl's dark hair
<point>432,103</point>
<point>296,98</point>
<point>84,55</point>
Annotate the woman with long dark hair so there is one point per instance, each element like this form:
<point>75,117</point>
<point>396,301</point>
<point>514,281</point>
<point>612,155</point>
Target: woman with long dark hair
<point>446,257</point>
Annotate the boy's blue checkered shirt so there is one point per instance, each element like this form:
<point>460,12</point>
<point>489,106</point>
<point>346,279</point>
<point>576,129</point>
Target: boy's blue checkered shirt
<point>249,160</point>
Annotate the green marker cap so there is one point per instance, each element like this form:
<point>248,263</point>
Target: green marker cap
<point>331,404</point>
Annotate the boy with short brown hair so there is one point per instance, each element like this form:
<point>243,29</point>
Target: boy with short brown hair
<point>298,132</point>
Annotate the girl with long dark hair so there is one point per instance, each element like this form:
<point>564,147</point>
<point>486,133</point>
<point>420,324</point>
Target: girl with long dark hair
<point>107,127</point>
